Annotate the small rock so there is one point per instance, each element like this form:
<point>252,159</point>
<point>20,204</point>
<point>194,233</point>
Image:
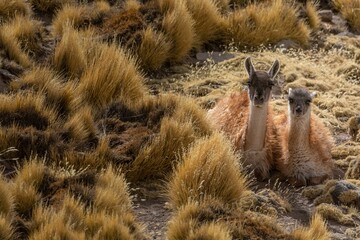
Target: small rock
<point>326,15</point>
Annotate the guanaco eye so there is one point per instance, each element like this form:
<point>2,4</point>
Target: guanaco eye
<point>291,100</point>
<point>308,102</point>
<point>248,83</point>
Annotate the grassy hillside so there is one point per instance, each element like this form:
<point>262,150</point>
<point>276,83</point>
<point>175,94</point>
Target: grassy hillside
<point>103,126</point>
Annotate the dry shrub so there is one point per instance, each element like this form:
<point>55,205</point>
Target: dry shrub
<point>268,22</point>
<point>46,82</point>
<point>332,212</point>
<point>316,231</point>
<point>208,23</point>
<point>50,5</point>
<point>313,16</point>
<point>10,9</point>
<point>69,54</point>
<point>178,26</point>
<point>26,109</point>
<point>79,16</point>
<point>209,169</point>
<point>112,75</point>
<point>350,10</point>
<point>12,48</point>
<point>154,49</point>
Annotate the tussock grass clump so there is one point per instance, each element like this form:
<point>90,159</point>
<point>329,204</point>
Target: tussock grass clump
<point>10,9</point>
<point>69,54</point>
<point>79,16</point>
<point>208,23</point>
<point>178,26</point>
<point>266,23</point>
<point>50,5</point>
<point>6,201</point>
<point>6,229</point>
<point>313,16</point>
<point>105,81</point>
<point>45,81</point>
<point>209,169</point>
<point>316,230</point>
<point>350,10</point>
<point>32,173</point>
<point>25,110</point>
<point>331,212</point>
<point>154,49</point>
<point>12,48</point>
<point>28,32</point>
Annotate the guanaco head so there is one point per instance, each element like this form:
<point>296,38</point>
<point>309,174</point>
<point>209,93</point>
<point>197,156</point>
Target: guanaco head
<point>260,82</point>
<point>299,101</point>
<point>354,126</point>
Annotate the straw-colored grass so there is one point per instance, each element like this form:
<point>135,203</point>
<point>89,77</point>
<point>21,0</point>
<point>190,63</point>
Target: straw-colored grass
<point>69,57</point>
<point>6,201</point>
<point>265,23</point>
<point>10,9</point>
<point>49,5</point>
<point>316,230</point>
<point>350,10</point>
<point>106,81</point>
<point>209,169</point>
<point>178,26</point>
<point>313,16</point>
<point>6,229</point>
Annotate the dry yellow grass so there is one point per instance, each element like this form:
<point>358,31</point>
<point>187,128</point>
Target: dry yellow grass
<point>105,81</point>
<point>32,173</point>
<point>314,19</point>
<point>267,22</point>
<point>45,81</point>
<point>26,109</point>
<point>350,10</point>
<point>69,56</point>
<point>211,231</point>
<point>154,49</point>
<point>50,5</point>
<point>332,212</point>
<point>6,201</point>
<point>6,230</point>
<point>81,126</point>
<point>12,47</point>
<point>28,32</point>
<point>10,9</point>
<point>316,231</point>
<point>208,23</point>
<point>178,26</point>
<point>209,169</point>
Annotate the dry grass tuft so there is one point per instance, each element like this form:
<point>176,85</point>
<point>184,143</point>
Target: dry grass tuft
<point>10,9</point>
<point>12,47</point>
<point>211,231</point>
<point>50,5</point>
<point>32,173</point>
<point>353,170</point>
<point>112,194</point>
<point>178,26</point>
<point>154,49</point>
<point>28,32</point>
<point>314,19</point>
<point>350,10</point>
<point>6,230</point>
<point>81,126</point>
<point>26,198</point>
<point>208,23</point>
<point>267,22</point>
<point>69,54</point>
<point>316,231</point>
<point>105,81</point>
<point>6,200</point>
<point>46,82</point>
<point>209,169</point>
<point>80,16</point>
<point>26,110</point>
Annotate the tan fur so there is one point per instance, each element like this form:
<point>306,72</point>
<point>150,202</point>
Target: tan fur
<point>306,161</point>
<point>231,115</point>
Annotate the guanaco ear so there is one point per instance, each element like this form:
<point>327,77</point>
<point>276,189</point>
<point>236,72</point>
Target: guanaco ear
<point>313,94</point>
<point>274,70</point>
<point>249,66</point>
<point>289,91</point>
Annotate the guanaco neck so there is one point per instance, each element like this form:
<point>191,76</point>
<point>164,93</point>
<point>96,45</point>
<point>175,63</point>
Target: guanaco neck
<point>299,130</point>
<point>256,129</point>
